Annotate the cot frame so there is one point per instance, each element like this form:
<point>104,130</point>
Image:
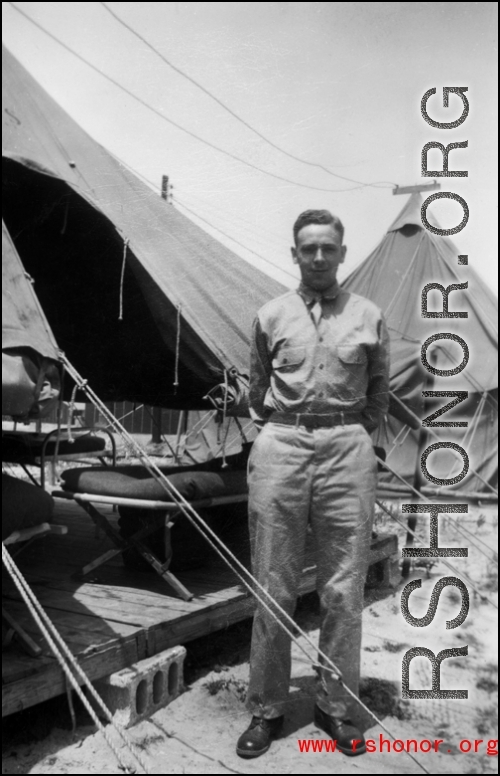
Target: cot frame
<point>87,502</point>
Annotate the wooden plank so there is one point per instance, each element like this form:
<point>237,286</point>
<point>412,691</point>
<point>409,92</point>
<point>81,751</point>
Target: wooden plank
<point>16,629</point>
<point>82,635</point>
<point>22,694</point>
<point>108,610</point>
<point>17,666</point>
<point>123,596</point>
<point>138,610</point>
<point>419,187</point>
<point>240,608</point>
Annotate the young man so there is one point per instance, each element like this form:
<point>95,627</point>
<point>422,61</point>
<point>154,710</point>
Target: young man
<point>319,384</point>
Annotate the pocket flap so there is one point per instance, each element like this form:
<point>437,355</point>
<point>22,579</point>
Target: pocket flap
<point>288,357</point>
<point>352,354</point>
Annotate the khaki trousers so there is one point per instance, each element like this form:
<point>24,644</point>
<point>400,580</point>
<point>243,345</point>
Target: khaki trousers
<point>325,477</point>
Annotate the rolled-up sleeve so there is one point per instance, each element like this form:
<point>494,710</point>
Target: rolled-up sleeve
<point>377,394</point>
<point>260,375</point>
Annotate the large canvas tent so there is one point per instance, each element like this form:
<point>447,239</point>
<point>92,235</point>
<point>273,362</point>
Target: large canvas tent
<point>407,259</point>
<point>30,377</point>
<point>146,305</point>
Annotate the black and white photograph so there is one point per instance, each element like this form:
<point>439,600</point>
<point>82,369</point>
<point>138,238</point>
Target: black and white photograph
<point>249,388</point>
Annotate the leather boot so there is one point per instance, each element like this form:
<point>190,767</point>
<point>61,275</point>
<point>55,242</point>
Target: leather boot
<point>349,738</point>
<point>258,736</point>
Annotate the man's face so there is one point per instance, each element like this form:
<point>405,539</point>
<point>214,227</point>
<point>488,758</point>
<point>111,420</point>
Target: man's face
<point>318,252</point>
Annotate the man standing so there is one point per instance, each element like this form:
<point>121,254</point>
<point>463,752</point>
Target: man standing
<point>319,382</point>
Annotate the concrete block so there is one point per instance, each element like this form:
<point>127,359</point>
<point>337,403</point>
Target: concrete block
<point>136,692</point>
<point>385,573</point>
<point>391,571</point>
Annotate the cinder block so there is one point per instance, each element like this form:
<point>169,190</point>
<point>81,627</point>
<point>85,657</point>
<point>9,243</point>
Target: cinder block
<point>136,692</point>
<point>391,571</point>
<point>384,573</point>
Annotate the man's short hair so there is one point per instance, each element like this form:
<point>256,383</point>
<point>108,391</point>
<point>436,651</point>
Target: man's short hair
<point>317,217</point>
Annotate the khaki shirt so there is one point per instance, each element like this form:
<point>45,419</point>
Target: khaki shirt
<point>320,356</point>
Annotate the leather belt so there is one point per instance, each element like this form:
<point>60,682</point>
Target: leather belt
<point>315,421</point>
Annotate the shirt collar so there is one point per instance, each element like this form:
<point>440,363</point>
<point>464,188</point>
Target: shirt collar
<point>309,295</point>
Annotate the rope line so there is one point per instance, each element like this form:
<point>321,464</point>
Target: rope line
<point>243,574</point>
<point>59,424</point>
<point>71,409</point>
<point>45,624</point>
<point>201,424</point>
<point>221,231</point>
<point>404,432</point>
<point>470,535</point>
<point>435,434</point>
<point>177,348</point>
<point>122,278</point>
<point>410,264</point>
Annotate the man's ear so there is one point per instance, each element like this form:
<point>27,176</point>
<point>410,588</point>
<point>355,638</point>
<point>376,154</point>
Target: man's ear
<point>293,251</point>
<point>344,251</point>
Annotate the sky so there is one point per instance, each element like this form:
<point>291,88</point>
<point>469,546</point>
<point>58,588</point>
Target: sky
<point>336,85</point>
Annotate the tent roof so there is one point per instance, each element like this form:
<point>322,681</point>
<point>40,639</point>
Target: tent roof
<point>408,258</point>
<point>24,324</point>
<point>190,282</point>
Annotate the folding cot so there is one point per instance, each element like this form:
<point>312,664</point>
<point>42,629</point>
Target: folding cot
<point>32,448</point>
<point>136,492</point>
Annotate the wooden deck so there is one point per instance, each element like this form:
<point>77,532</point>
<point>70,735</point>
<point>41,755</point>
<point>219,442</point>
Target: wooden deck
<point>117,617</point>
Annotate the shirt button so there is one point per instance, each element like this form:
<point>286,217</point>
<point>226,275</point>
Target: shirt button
<point>321,339</point>
<point>321,366</point>
<point>321,394</point>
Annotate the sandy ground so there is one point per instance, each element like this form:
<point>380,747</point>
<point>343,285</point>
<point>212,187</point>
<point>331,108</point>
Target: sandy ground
<point>198,731</point>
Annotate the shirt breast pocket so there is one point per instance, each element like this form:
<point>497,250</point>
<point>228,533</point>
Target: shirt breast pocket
<point>289,360</point>
<point>352,354</point>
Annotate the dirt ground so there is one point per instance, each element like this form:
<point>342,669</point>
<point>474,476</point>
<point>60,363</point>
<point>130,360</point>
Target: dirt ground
<point>198,731</point>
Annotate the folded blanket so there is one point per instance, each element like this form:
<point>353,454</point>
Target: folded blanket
<point>25,447</point>
<point>137,482</point>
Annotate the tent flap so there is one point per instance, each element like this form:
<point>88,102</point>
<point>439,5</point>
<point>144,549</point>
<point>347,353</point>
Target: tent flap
<point>80,218</point>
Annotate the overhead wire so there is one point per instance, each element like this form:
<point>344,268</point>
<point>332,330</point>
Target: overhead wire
<point>246,234</point>
<point>180,202</point>
<point>175,124</point>
<point>376,184</point>
<point>257,230</point>
<point>218,229</point>
<point>189,194</point>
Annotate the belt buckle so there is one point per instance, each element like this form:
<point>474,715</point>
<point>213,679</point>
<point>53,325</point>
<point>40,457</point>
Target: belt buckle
<point>307,421</point>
